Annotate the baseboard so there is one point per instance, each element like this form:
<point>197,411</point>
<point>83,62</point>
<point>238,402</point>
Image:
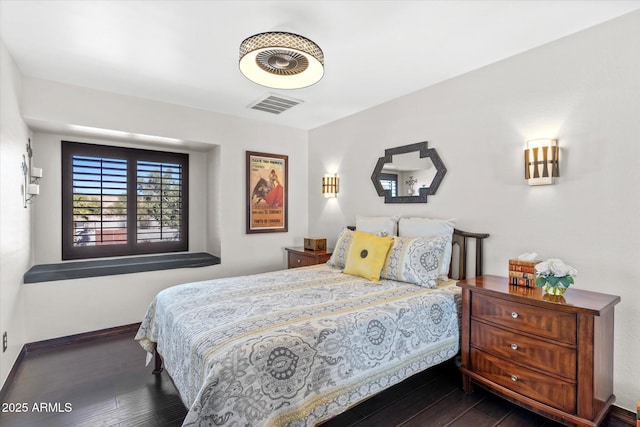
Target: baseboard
<point>46,345</point>
<point>12,374</point>
<point>623,415</point>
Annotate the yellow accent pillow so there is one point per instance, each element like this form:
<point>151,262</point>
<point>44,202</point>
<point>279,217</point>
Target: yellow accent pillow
<point>367,255</point>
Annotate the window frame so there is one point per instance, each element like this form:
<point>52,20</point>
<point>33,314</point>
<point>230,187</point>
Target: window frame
<point>132,155</point>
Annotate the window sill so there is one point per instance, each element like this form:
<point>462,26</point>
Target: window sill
<point>109,267</point>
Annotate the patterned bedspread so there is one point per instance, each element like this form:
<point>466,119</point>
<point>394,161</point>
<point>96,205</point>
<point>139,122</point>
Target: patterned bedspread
<point>295,347</point>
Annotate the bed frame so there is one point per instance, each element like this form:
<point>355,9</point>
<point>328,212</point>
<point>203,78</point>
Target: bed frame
<point>457,269</point>
<point>461,240</point>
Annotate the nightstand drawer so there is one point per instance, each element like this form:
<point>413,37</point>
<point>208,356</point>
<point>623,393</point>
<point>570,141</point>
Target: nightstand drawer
<point>542,388</point>
<point>527,351</point>
<point>300,257</point>
<point>296,260</point>
<point>526,318</point>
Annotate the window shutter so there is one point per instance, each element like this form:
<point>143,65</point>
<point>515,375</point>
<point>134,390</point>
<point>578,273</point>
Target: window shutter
<point>159,201</point>
<point>122,201</point>
<point>99,201</point>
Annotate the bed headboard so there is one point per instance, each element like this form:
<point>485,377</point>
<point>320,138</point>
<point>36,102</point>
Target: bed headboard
<point>459,256</point>
<point>461,240</point>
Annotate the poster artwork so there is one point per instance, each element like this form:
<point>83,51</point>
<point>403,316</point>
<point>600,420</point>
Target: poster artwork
<point>268,196</point>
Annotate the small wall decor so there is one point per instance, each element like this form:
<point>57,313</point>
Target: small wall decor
<point>266,197</point>
<point>409,165</point>
<point>31,175</point>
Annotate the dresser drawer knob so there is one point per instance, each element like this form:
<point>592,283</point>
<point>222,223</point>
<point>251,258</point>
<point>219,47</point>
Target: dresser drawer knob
<point>514,346</point>
<point>299,261</point>
<point>514,378</point>
<point>514,315</point>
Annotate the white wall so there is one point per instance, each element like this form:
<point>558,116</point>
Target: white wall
<point>584,90</point>
<point>15,229</point>
<point>217,209</point>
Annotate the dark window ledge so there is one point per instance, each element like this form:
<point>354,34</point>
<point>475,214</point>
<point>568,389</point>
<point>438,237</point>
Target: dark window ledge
<point>109,267</point>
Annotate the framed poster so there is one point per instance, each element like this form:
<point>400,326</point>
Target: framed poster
<point>266,198</point>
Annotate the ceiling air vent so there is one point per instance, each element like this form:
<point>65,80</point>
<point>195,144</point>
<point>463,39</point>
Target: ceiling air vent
<point>274,103</point>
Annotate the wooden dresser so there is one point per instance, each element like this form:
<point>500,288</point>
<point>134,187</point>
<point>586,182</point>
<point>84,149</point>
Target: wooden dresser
<point>552,355</point>
<point>299,257</point>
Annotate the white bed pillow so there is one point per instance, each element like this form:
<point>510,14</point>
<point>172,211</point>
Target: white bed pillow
<point>415,260</point>
<point>428,227</point>
<point>378,225</point>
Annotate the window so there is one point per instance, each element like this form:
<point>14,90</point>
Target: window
<point>122,201</point>
<point>389,181</point>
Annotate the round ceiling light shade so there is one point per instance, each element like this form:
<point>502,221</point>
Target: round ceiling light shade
<point>281,60</point>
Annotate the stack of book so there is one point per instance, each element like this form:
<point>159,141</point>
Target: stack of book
<point>522,273</point>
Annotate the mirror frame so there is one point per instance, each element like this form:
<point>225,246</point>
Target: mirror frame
<point>424,151</point>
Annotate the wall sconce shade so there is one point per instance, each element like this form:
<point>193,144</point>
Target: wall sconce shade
<point>33,189</point>
<point>281,60</point>
<point>36,172</point>
<point>541,161</point>
<point>330,186</point>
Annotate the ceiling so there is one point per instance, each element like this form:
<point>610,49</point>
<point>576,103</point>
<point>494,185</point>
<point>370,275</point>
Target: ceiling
<point>186,52</point>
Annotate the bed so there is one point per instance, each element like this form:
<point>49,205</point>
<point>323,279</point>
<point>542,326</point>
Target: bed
<point>297,347</point>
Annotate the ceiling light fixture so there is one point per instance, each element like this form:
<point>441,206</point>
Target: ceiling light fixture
<point>281,60</point>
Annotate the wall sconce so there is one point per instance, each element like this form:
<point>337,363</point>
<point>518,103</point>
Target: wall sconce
<point>330,185</point>
<point>541,161</point>
<point>31,177</point>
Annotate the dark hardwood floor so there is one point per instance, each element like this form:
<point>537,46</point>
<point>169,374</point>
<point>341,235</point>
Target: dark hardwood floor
<point>105,383</point>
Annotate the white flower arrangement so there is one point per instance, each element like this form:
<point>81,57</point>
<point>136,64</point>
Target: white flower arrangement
<point>555,273</point>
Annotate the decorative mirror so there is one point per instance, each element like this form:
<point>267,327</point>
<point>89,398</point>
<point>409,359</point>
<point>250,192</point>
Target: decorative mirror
<point>408,174</point>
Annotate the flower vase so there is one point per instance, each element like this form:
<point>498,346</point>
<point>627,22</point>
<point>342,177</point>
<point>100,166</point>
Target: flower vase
<point>558,289</point>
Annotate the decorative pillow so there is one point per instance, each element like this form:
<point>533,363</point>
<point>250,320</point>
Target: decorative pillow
<point>415,260</point>
<point>339,256</point>
<point>427,227</point>
<point>378,225</point>
<point>367,255</point>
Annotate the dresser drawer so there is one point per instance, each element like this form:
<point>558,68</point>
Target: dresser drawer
<point>524,350</point>
<point>296,260</point>
<point>526,318</point>
<point>543,388</point>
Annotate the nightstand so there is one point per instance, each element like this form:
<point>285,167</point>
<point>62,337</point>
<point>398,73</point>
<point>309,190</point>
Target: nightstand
<point>552,355</point>
<point>299,257</point>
